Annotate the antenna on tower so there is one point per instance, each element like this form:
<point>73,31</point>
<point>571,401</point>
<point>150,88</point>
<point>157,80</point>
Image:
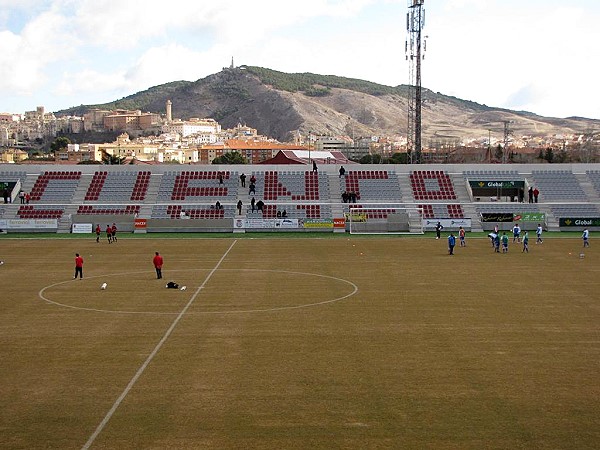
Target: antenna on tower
<point>415,52</point>
<point>507,134</point>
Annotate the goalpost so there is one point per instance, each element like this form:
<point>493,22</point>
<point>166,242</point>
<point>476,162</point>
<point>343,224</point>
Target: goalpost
<point>388,218</point>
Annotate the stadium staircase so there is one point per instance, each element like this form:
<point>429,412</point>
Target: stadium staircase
<point>415,221</point>
<point>65,221</point>
<point>335,187</point>
<point>587,186</point>
<point>464,198</point>
<point>151,196</point>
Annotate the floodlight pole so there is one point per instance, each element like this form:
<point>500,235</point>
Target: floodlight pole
<point>415,22</point>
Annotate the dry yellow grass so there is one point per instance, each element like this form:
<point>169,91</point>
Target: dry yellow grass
<point>403,346</point>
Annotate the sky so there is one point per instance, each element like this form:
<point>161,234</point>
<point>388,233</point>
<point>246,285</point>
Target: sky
<point>541,56</point>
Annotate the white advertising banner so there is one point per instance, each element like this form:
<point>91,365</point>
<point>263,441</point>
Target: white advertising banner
<point>270,223</point>
<point>449,224</point>
<point>28,224</point>
<point>81,228</point>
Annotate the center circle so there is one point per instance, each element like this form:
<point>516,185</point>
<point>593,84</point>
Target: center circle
<point>250,291</point>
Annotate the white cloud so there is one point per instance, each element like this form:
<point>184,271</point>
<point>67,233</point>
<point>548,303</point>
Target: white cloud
<point>24,57</point>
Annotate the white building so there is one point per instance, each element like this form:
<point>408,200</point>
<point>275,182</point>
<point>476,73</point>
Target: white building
<point>192,126</point>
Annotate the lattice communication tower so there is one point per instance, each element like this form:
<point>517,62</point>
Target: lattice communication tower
<point>415,52</point>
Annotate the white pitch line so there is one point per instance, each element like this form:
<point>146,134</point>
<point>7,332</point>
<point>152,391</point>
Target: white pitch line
<point>140,371</point>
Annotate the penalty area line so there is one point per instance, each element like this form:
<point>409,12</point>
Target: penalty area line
<point>142,368</point>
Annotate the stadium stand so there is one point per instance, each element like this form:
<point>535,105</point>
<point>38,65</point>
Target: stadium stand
<point>172,193</point>
<point>108,209</point>
<point>432,185</point>
<point>40,212</point>
<point>441,211</point>
<point>290,185</point>
<point>372,185</point>
<point>493,174</point>
<point>380,212</point>
<point>594,176</point>
<point>118,186</point>
<point>55,187</point>
<point>558,185</point>
<point>575,210</point>
<point>189,185</point>
<point>189,211</point>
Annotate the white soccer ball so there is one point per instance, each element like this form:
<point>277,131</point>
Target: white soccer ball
<point>183,288</point>
<point>103,286</point>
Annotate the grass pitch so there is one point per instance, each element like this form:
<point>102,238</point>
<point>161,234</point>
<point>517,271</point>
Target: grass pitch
<point>290,343</point>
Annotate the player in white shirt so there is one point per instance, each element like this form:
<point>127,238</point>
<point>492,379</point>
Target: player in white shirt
<point>538,232</point>
<point>516,233</point>
<point>586,236</point>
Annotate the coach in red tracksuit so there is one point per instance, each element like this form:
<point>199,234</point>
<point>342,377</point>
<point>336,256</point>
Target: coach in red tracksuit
<point>158,263</point>
<point>78,266</point>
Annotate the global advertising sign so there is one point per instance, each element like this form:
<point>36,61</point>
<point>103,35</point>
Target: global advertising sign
<point>579,222</point>
<point>497,184</point>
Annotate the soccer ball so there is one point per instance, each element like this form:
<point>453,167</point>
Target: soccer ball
<point>103,286</point>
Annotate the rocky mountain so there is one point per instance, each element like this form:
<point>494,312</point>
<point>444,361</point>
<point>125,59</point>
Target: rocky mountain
<point>278,104</point>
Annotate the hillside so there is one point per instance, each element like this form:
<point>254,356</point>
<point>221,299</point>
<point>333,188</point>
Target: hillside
<point>277,104</point>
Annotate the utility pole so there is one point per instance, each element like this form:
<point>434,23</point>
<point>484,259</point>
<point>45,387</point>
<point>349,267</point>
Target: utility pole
<point>415,22</point>
<point>507,133</point>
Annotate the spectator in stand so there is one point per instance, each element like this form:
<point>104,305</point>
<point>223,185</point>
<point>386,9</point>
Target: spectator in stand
<point>252,203</point>
<point>345,197</point>
<point>239,207</point>
<point>260,205</point>
<point>314,166</point>
<point>536,193</point>
<point>342,171</point>
<point>252,179</point>
<point>530,192</point>
<point>22,197</point>
<point>27,197</point>
<point>220,178</point>
<point>252,189</point>
<point>243,180</point>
